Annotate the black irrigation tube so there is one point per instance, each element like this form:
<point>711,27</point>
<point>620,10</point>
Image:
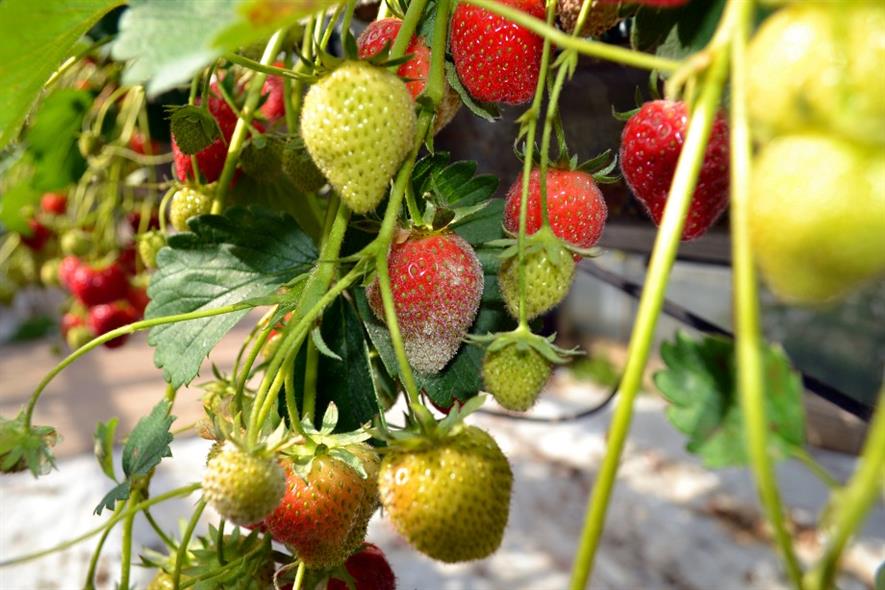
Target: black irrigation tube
<point>679,313</point>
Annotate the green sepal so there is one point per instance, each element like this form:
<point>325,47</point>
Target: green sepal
<point>22,448</point>
<point>194,128</point>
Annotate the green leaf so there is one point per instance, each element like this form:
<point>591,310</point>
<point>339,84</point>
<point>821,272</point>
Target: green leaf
<point>148,443</point>
<point>281,195</point>
<point>13,204</point>
<point>483,226</point>
<point>119,492</point>
<point>104,446</point>
<point>244,254</point>
<point>462,377</point>
<point>676,33</point>
<point>700,384</point>
<point>52,139</point>
<point>166,42</point>
<point>35,38</point>
<point>258,19</point>
<point>348,382</point>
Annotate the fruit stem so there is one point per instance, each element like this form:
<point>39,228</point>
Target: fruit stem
<point>436,77</point>
<point>244,120</point>
<point>310,380</point>
<point>587,47</point>
<point>185,541</point>
<point>549,120</point>
<point>750,378</point>
<point>854,500</point>
<point>662,257</point>
<point>126,557</point>
<point>123,331</point>
<point>291,405</point>
<point>803,456</point>
<point>407,29</point>
<point>182,491</point>
<point>89,584</point>
<point>299,573</point>
<point>531,131</point>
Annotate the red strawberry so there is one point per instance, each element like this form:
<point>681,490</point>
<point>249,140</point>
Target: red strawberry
<point>650,147</point>
<point>437,283</point>
<point>211,159</point>
<point>369,569</point>
<point>318,513</point>
<point>54,203</point>
<point>138,298</point>
<point>274,106</point>
<point>575,206</point>
<point>109,316</point>
<point>497,60</point>
<point>138,144</point>
<point>381,33</point>
<point>66,269</point>
<point>96,285</point>
<point>126,258</point>
<point>40,234</point>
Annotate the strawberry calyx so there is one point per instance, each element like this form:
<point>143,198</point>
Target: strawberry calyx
<point>26,447</point>
<point>524,339</point>
<point>542,240</point>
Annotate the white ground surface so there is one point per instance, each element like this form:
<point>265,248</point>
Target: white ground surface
<point>672,524</point>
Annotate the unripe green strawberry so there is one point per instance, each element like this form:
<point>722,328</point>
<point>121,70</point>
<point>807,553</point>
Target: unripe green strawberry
<point>76,242</point>
<point>262,159</point>
<point>187,203</point>
<point>77,337</point>
<point>547,281</point>
<point>21,267</point>
<point>358,124</point>
<point>515,375</point>
<point>449,497</point>
<point>817,216</point>
<point>243,488</point>
<point>300,168</point>
<point>149,243</point>
<point>49,272</point>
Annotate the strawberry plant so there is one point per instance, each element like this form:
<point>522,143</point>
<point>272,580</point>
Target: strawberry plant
<point>205,159</point>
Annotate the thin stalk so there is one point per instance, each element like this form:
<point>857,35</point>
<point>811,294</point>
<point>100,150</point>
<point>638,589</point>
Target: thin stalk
<point>855,500</point>
<point>586,47</point>
<point>748,340</point>
<point>663,255</point>
<point>126,557</point>
<point>407,29</point>
<point>311,371</point>
<point>291,404</point>
<point>157,529</point>
<point>436,88</point>
<point>531,130</point>
<point>182,491</point>
<point>253,95</point>
<point>185,541</point>
<point>816,468</point>
<point>122,331</point>
<point>223,570</point>
<point>299,576</point>
<point>89,584</point>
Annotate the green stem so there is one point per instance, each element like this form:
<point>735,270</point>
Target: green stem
<point>291,404</point>
<point>185,541</point>
<point>126,557</point>
<point>299,576</point>
<point>531,130</point>
<point>183,491</point>
<point>663,255</point>
<point>253,95</point>
<point>816,468</point>
<point>157,529</point>
<point>122,331</point>
<point>222,571</point>
<point>583,46</point>
<point>407,29</point>
<point>854,501</point>
<point>549,120</point>
<point>93,561</point>
<point>219,543</point>
<point>311,371</point>
<point>263,68</point>
<point>748,341</point>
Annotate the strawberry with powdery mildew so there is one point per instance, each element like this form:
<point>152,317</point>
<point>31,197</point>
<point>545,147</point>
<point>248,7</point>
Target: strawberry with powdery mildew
<point>381,33</point>
<point>496,59</point>
<point>437,284</point>
<point>369,569</point>
<point>575,206</point>
<point>650,147</point>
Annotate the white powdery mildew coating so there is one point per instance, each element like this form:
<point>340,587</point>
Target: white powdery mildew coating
<point>358,124</point>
